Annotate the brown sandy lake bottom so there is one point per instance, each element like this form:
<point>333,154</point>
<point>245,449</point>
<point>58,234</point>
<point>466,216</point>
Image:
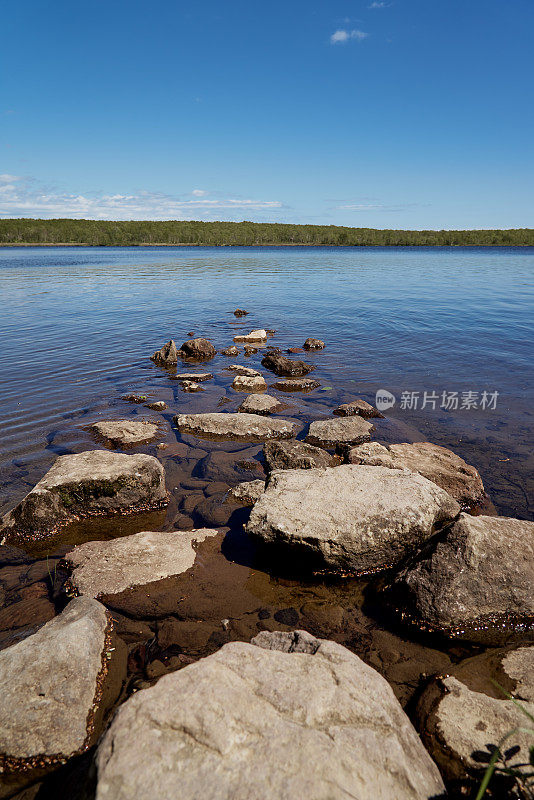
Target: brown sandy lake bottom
<point>78,327</point>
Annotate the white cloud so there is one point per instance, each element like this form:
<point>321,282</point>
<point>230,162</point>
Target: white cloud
<point>379,4</point>
<point>359,207</point>
<point>24,197</point>
<point>342,36</point>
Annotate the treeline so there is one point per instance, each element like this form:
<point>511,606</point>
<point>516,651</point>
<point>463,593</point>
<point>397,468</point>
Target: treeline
<point>102,233</point>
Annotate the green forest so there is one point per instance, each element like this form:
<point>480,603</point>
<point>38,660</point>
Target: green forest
<point>124,234</point>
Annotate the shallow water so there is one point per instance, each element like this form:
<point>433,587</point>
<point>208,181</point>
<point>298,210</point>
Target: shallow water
<point>78,326</point>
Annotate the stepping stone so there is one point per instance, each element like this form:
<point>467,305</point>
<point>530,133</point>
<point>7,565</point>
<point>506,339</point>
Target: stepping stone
<point>339,432</point>
<point>242,383</point>
<point>198,377</point>
<point>126,432</point>
<point>296,385</point>
<point>262,404</point>
<point>283,366</point>
<point>357,407</point>
<point>248,371</point>
<point>293,454</point>
<point>234,426</point>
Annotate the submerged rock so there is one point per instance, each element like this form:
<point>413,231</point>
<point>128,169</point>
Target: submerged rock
<point>262,404</point>
<point>199,349</point>
<point>258,336</point>
<point>135,398</point>
<point>476,583</point>
<point>296,385</point>
<point>159,405</point>
<point>293,454</point>
<point>287,367</point>
<point>110,567</point>
<point>285,717</point>
<point>191,386</point>
<point>461,720</point>
<point>125,432</point>
<point>244,383</point>
<point>247,493</point>
<point>167,356</point>
<point>235,426</point>
<point>54,689</point>
<point>339,432</point>
<point>357,407</point>
<point>313,344</point>
<point>240,312</point>
<point>230,351</point>
<point>350,518</point>
<point>86,484</point>
<point>439,465</point>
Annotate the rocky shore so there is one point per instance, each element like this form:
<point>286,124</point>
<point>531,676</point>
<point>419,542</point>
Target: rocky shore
<point>265,605</point>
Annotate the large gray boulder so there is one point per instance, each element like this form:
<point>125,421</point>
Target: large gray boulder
<point>350,518</point>
<point>106,568</point>
<point>339,432</point>
<point>460,718</point>
<point>54,688</point>
<point>286,717</point>
<point>125,432</point>
<point>438,464</point>
<point>86,484</point>
<point>477,583</point>
<point>293,454</point>
<point>234,426</point>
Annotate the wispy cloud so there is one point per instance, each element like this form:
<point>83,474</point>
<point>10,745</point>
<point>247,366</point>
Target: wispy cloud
<point>25,197</point>
<point>341,36</point>
<point>362,207</point>
<point>379,4</point>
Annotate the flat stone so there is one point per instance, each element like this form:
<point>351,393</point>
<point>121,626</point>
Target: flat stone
<point>309,715</point>
<point>353,519</point>
<point>476,583</point>
<point>247,493</point>
<point>104,568</point>
<point>313,344</point>
<point>339,432</point>
<point>262,404</point>
<point>199,349</point>
<point>459,723</point>
<point>54,688</point>
<point>357,407</point>
<point>248,371</point>
<point>235,426</point>
<point>243,383</point>
<point>159,405</point>
<point>296,385</point>
<point>167,356</point>
<point>287,367</point>
<point>125,432</point>
<point>258,336</point>
<point>230,351</point>
<point>86,484</point>
<point>439,465</point>
<point>198,377</point>
<point>293,454</point>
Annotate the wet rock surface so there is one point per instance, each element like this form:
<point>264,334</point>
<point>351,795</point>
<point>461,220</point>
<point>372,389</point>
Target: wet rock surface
<point>285,367</point>
<point>159,405</point>
<point>125,432</point>
<point>197,349</point>
<point>54,689</point>
<point>86,484</point>
<point>352,519</point>
<point>296,385</point>
<point>240,370</point>
<point>230,351</point>
<point>244,383</point>
<point>357,407</point>
<point>317,719</point>
<point>476,583</point>
<point>198,377</point>
<point>105,568</point>
<point>247,493</point>
<point>254,337</point>
<point>167,356</point>
<point>262,404</point>
<point>313,344</point>
<point>294,454</point>
<point>335,433</point>
<point>239,426</point>
<point>438,464</point>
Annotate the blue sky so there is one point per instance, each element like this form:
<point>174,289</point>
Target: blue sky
<point>401,114</point>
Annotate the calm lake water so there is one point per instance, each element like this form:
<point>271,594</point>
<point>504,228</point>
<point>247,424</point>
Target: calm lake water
<point>78,326</point>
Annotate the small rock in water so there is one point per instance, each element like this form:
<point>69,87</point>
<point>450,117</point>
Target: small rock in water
<point>167,356</point>
<point>295,350</point>
<point>223,401</point>
<point>293,454</point>
<point>135,398</point>
<point>240,312</point>
<point>296,385</point>
<point>314,344</point>
<point>199,349</point>
<point>262,404</point>
<point>125,432</point>
<point>339,432</point>
<point>159,405</point>
<point>191,386</point>
<point>191,333</point>
<point>254,336</point>
<point>357,407</point>
<point>198,377</point>
<point>243,383</point>
<point>230,351</point>
<point>249,350</point>
<point>239,370</point>
<point>281,365</point>
<point>247,493</point>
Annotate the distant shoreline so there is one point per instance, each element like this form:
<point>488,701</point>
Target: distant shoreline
<point>273,244</point>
